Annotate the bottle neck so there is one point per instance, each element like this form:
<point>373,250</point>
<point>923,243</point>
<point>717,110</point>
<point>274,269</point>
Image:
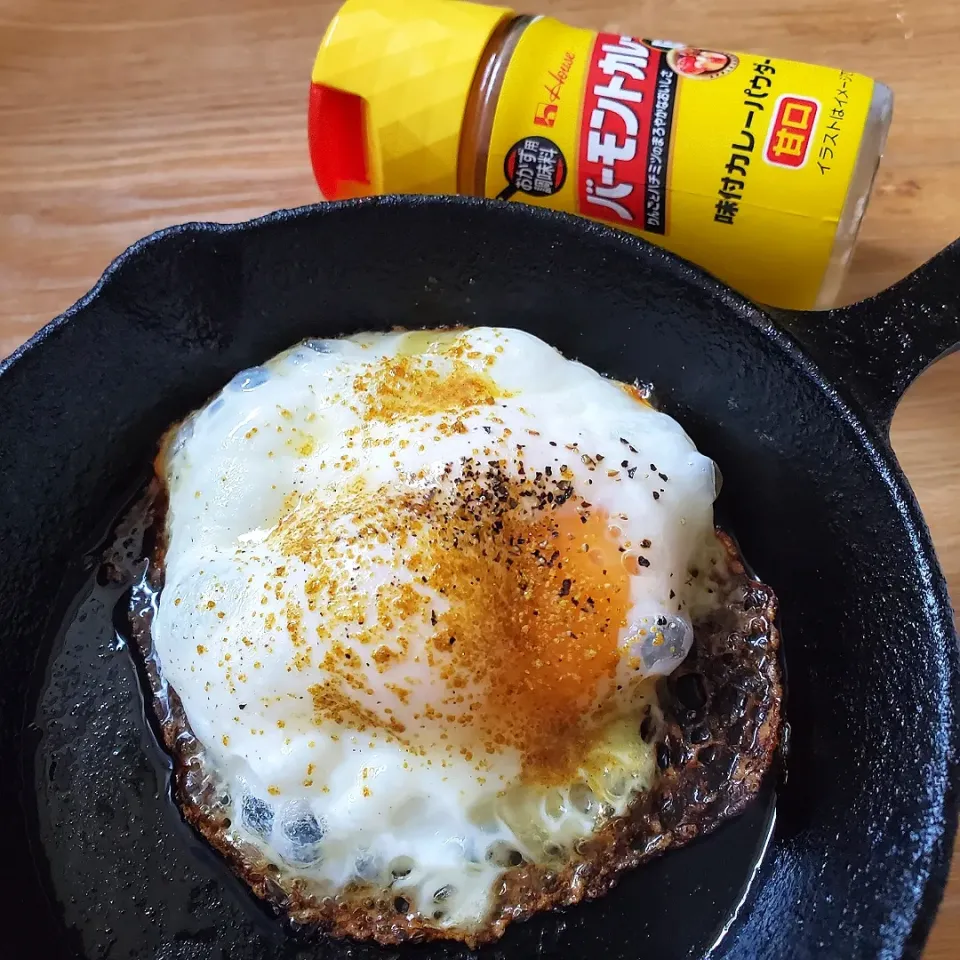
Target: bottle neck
<point>482,106</point>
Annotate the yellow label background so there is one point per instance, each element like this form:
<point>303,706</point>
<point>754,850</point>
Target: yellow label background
<point>779,246</point>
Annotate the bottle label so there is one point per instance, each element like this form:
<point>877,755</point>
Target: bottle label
<point>739,162</point>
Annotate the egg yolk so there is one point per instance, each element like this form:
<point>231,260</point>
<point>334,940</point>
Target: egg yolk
<point>544,638</point>
<point>506,618</point>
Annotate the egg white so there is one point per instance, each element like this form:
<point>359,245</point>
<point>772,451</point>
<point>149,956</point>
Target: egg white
<point>242,639</point>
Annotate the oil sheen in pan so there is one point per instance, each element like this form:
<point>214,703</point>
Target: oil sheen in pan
<point>130,880</point>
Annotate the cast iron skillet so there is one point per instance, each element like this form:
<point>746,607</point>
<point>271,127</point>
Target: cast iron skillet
<point>96,859</point>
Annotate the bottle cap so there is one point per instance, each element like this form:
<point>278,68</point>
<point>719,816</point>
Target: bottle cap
<point>389,92</point>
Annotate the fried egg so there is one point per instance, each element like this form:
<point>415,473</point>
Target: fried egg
<point>418,591</point>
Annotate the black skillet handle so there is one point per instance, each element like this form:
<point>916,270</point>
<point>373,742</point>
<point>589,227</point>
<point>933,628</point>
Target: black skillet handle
<point>878,347</point>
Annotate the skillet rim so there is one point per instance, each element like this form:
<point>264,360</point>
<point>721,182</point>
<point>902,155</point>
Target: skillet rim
<point>939,836</point>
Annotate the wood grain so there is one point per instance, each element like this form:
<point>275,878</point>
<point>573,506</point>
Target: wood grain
<point>117,118</point>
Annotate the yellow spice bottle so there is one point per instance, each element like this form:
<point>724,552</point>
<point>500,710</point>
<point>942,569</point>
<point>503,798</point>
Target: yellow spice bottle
<point>756,168</point>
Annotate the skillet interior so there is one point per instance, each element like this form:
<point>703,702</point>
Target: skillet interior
<point>820,509</point>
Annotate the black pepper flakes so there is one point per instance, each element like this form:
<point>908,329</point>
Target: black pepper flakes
<point>656,496</point>
<point>643,561</point>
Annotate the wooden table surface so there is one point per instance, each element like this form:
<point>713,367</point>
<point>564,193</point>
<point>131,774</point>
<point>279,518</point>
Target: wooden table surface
<point>117,118</point>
